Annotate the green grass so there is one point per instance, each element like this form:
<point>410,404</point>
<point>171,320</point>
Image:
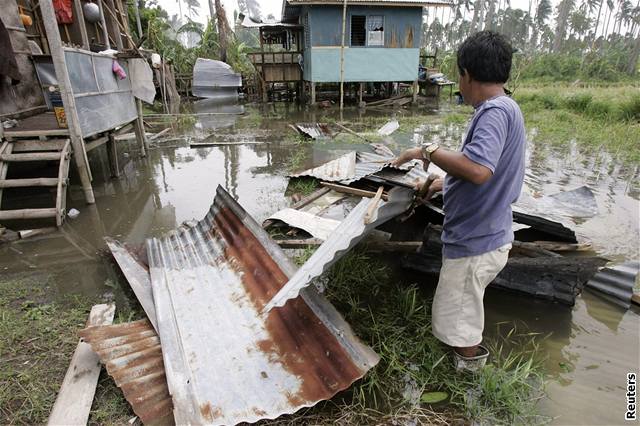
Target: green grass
<point>38,341</point>
<point>395,319</point>
<point>303,186</point>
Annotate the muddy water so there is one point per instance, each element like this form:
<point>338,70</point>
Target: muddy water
<point>590,346</point>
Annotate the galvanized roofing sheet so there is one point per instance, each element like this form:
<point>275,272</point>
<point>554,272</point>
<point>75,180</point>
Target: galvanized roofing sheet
<point>132,354</point>
<point>226,362</point>
<point>617,282</point>
<point>343,167</point>
<point>351,230</point>
<point>313,130</point>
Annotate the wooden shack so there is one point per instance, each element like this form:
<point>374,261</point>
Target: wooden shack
<point>56,47</point>
<point>382,39</point>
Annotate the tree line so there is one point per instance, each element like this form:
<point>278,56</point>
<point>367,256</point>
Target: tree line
<point>603,35</point>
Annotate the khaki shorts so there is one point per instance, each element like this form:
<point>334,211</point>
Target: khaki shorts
<point>458,311</point>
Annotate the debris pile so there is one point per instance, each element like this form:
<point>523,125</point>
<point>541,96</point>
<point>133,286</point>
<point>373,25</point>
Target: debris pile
<point>236,333</point>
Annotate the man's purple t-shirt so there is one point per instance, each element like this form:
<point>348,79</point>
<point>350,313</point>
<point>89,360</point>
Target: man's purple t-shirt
<point>478,218</point>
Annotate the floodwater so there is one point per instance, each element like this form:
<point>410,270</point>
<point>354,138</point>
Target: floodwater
<point>590,347</point>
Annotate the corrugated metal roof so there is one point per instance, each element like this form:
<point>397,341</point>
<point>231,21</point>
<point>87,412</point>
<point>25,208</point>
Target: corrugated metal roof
<point>343,167</point>
<point>247,22</point>
<point>313,130</point>
<point>316,226</point>
<point>616,283</point>
<point>351,230</point>
<point>132,354</point>
<point>226,362</point>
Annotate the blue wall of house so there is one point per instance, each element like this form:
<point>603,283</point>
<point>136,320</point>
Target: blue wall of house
<point>397,60</point>
<point>402,25</point>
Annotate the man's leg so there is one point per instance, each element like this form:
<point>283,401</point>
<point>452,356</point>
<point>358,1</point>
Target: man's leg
<point>458,311</point>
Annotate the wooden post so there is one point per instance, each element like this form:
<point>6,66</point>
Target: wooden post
<point>105,33</point>
<point>344,29</point>
<point>360,93</point>
<point>112,154</point>
<point>138,24</point>
<point>416,88</point>
<point>114,25</point>
<point>141,136</point>
<point>313,93</point>
<point>60,67</point>
<point>82,24</point>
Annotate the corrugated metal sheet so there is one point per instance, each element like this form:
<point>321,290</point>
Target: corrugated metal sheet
<point>247,22</point>
<point>343,167</point>
<point>346,236</point>
<point>136,272</point>
<point>389,128</point>
<point>132,354</point>
<point>226,362</point>
<point>314,130</point>
<point>616,283</point>
<point>316,226</point>
<point>369,163</point>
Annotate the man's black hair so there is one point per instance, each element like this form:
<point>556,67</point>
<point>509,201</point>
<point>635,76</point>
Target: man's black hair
<point>486,56</point>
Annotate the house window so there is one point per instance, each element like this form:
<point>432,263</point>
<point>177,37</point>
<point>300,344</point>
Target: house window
<point>358,30</point>
<point>375,30</point>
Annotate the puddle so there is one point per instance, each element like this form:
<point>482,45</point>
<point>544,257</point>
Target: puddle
<point>591,347</point>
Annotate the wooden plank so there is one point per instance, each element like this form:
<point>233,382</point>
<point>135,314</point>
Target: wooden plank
<point>635,298</point>
<point>112,154</point>
<point>353,191</point>
<point>27,214</point>
<point>30,233</point>
<point>74,400</point>
<point>37,145</point>
<point>24,183</point>
<point>370,246</point>
<point>61,192</point>
<point>96,143</point>
<point>6,148</point>
<point>39,156</point>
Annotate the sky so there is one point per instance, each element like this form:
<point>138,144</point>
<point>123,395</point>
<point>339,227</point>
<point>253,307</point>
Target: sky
<point>268,6</point>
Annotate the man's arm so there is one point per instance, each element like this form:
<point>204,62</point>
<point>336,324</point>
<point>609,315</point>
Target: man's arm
<point>478,159</point>
<point>454,163</point>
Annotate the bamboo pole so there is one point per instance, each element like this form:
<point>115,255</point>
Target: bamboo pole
<point>344,29</point>
<point>82,24</point>
<point>73,123</point>
<point>138,23</point>
<point>105,32</point>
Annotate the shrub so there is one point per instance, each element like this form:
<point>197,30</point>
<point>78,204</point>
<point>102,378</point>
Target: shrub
<point>630,110</point>
<point>599,109</point>
<point>578,102</point>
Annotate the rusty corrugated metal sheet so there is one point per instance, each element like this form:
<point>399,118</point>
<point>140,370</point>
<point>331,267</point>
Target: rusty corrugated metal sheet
<point>343,167</point>
<point>225,361</point>
<point>132,354</point>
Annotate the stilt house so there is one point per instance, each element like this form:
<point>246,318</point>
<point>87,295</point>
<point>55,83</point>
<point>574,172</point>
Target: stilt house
<point>382,39</point>
<point>55,46</point>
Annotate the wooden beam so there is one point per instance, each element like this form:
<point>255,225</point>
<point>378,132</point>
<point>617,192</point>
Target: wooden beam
<point>112,153</point>
<point>23,183</point>
<point>103,23</point>
<point>64,82</point>
<point>22,214</point>
<point>81,23</point>
<point>74,400</point>
<point>138,126</point>
<point>353,191</point>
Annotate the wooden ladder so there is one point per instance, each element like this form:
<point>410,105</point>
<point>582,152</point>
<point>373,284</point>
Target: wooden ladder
<point>31,150</point>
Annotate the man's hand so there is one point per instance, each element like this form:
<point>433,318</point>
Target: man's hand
<point>408,155</point>
<point>435,186</point>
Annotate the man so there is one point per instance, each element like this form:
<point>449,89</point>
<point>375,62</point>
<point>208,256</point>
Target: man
<point>483,179</point>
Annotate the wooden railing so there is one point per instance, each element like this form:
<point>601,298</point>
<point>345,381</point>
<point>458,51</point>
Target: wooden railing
<point>273,58</point>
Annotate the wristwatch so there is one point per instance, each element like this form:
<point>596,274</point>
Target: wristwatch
<point>428,149</point>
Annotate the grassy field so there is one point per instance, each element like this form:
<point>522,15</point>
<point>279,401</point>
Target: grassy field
<point>38,340</point>
<point>594,117</point>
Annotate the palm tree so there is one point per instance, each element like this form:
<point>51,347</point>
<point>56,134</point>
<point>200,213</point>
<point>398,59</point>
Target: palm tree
<point>564,11</point>
<point>543,12</point>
